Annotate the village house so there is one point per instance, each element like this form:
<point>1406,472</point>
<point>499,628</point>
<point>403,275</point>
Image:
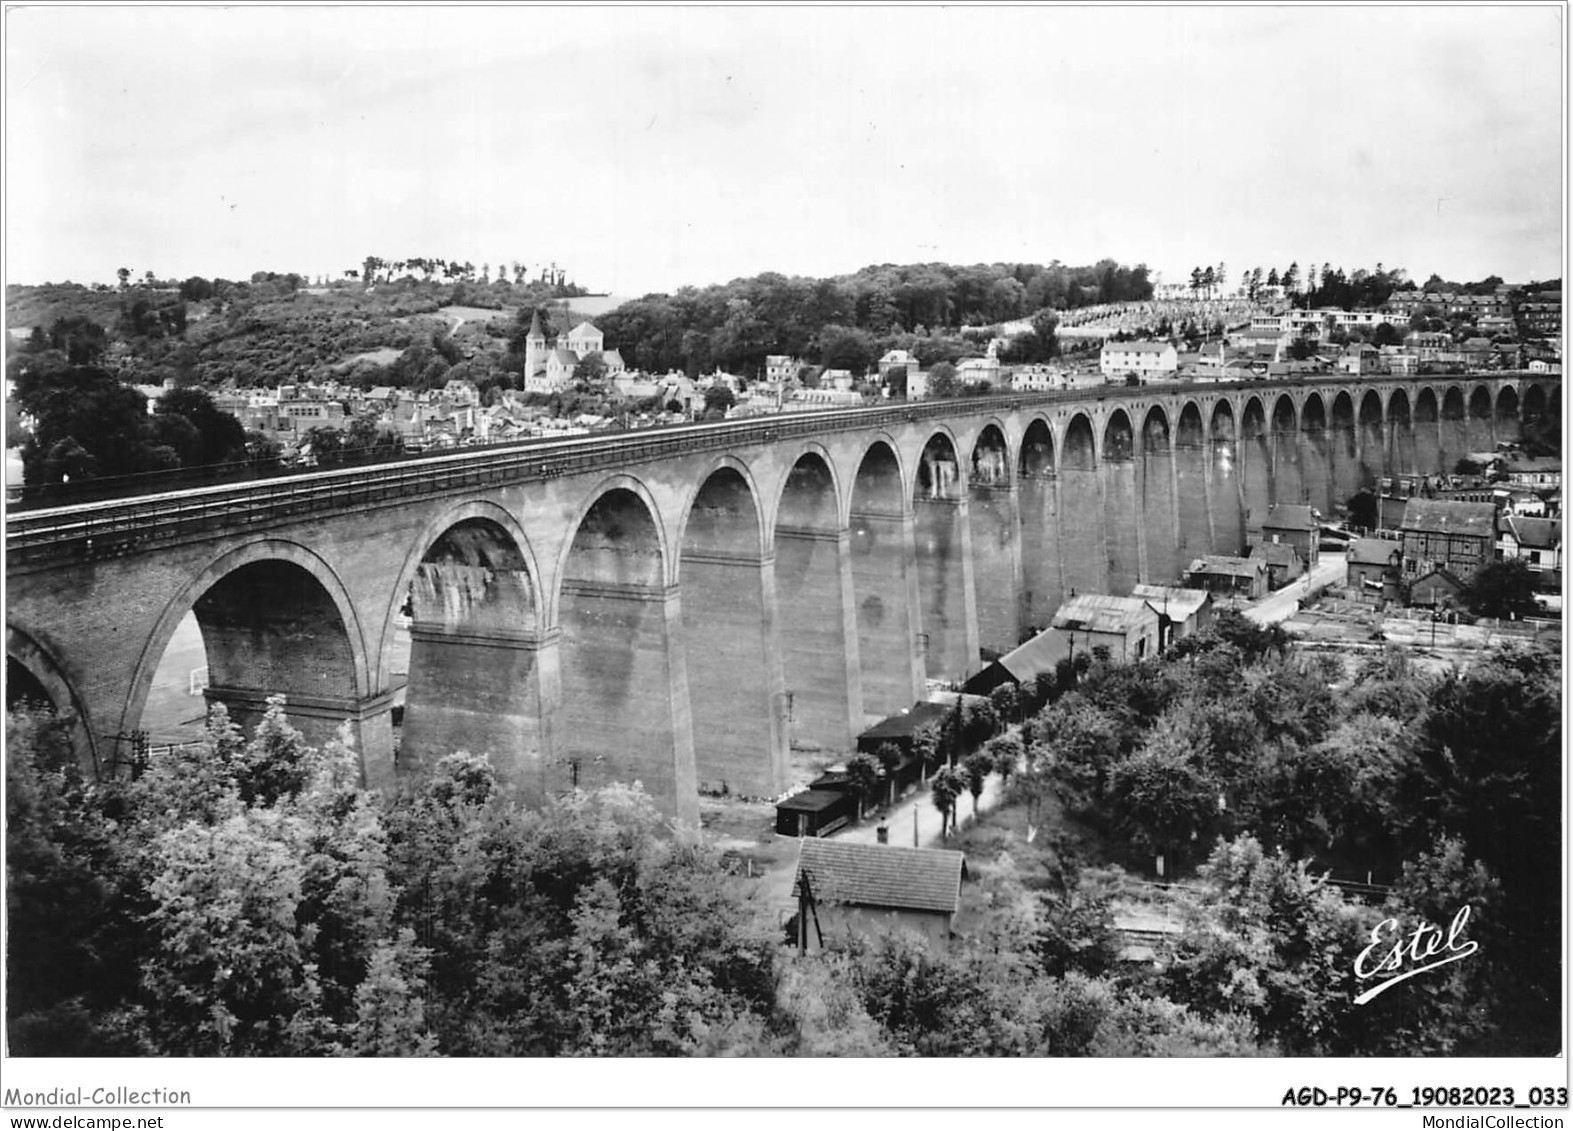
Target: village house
<point>1534,471</point>
<point>1436,589</point>
<point>1144,359</point>
<point>870,889</point>
<point>1459,537</point>
<point>1294,524</point>
<point>1284,563</point>
<point>1537,542</point>
<point>1372,569</point>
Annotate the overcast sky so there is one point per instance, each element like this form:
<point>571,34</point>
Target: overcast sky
<point>648,148</point>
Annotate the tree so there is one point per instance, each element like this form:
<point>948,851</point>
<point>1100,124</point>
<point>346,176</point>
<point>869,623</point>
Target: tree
<point>943,381</point>
<point>976,767</point>
<point>591,369</point>
<point>98,414</point>
<point>1361,508</point>
<point>949,783</point>
<point>864,770</point>
<point>718,399</point>
<point>888,755</point>
<point>216,436</point>
<point>1504,589</point>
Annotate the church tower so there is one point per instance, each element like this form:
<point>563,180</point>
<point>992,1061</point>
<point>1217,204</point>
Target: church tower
<point>534,347</point>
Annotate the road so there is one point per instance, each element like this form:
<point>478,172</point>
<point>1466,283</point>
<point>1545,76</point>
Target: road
<point>1280,606</point>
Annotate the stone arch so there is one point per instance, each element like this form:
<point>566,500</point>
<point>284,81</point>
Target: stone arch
<point>621,485</point>
<point>1507,411</point>
<point>1285,420</point>
<point>241,601</point>
<point>1313,414</point>
<point>1155,434</point>
<point>821,678</point>
<point>811,495</point>
<point>1256,464</point>
<point>475,607</point>
<point>1119,438</point>
<point>1042,587</point>
<point>474,509</point>
<point>1036,457</point>
<point>1534,401</point>
<point>1481,420</point>
<point>1374,461</point>
<point>946,599</point>
<point>1080,450</point>
<point>1316,452</point>
<point>884,580</point>
<point>1221,424</point>
<point>731,647</point>
<point>1120,473</point>
<point>32,672</point>
<point>1253,419</point>
<point>624,683</point>
<point>1428,434</point>
<point>939,471</point>
<point>878,481</point>
<point>1189,429</point>
<point>994,529</point>
<point>990,464</point>
<point>725,506</point>
<point>1400,426</point>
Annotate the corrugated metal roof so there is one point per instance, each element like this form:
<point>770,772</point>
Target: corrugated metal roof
<point>1182,603</point>
<point>1098,612</point>
<point>1232,566</point>
<point>883,875</point>
<point>1448,516</point>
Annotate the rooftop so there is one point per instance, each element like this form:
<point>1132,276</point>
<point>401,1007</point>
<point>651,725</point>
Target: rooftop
<point>1225,564</point>
<point>1449,516</point>
<point>883,875</point>
<point>1373,551</point>
<point>1098,612</point>
<point>1290,516</point>
<point>1536,533</point>
<point>1173,601</point>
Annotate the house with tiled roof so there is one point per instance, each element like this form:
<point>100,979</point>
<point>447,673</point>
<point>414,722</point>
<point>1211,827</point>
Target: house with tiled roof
<point>1294,524</point>
<point>1537,542</point>
<point>1371,569</point>
<point>1458,536</point>
<point>871,889</point>
<point>1284,563</point>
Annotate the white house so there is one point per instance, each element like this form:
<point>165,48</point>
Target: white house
<point>1140,358</point>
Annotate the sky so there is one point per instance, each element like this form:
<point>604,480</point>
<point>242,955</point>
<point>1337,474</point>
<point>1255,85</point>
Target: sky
<point>647,148</point>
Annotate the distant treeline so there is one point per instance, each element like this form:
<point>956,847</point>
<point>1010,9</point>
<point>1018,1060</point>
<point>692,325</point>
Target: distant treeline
<point>842,320</point>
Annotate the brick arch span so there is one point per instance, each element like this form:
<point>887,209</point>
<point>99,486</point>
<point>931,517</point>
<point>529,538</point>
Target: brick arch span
<point>476,608</point>
<point>725,504</point>
<point>24,649</point>
<point>243,601</point>
<point>879,477</point>
<point>1121,473</point>
<point>945,567</point>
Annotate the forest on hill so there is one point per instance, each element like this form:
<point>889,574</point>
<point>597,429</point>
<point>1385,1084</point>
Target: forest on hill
<point>274,328</point>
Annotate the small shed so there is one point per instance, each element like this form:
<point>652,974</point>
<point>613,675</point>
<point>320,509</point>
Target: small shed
<point>1436,589</point>
<point>1235,577</point>
<point>815,812</point>
<point>1181,612</point>
<point>898,730</point>
<point>872,888</point>
<point>1126,626</point>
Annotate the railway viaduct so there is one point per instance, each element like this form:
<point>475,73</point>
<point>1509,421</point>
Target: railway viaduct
<point>679,607</point>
